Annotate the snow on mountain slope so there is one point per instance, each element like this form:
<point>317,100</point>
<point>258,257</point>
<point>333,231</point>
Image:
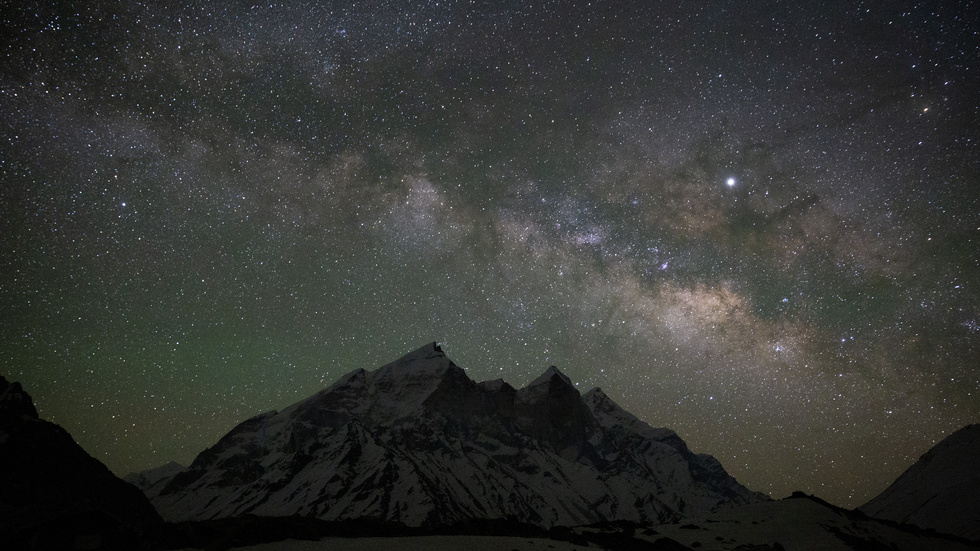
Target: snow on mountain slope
<point>940,491</point>
<point>417,442</point>
<point>799,523</point>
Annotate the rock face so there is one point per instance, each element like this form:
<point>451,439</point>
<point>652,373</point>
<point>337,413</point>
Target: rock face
<point>417,442</point>
<point>52,492</point>
<point>940,491</point>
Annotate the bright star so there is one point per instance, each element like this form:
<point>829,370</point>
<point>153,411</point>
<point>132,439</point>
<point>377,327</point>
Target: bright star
<point>730,182</point>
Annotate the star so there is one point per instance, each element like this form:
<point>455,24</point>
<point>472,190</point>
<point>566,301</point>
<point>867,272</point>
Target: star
<point>316,190</point>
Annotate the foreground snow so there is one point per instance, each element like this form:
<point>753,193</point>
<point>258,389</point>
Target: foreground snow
<point>801,523</point>
<point>427,543</point>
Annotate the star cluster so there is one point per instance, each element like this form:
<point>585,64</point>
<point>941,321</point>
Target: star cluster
<point>756,224</point>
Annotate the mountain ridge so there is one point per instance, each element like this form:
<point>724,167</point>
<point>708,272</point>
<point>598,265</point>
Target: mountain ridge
<point>936,491</point>
<point>417,441</point>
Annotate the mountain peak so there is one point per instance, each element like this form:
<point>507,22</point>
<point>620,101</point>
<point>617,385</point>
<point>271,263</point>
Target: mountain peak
<point>428,359</point>
<point>427,352</point>
<point>15,402</point>
<point>550,383</point>
<point>392,392</point>
<point>597,393</point>
<point>549,375</point>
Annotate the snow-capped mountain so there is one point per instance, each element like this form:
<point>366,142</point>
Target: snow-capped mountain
<point>53,494</point>
<point>940,491</point>
<point>417,442</point>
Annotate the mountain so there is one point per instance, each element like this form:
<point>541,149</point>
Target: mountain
<point>159,476</point>
<point>55,495</point>
<point>419,443</point>
<point>940,491</point>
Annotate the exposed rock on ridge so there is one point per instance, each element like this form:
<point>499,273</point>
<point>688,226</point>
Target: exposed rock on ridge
<point>418,442</point>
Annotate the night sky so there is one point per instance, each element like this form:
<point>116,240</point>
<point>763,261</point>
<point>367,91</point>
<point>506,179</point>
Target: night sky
<point>755,223</point>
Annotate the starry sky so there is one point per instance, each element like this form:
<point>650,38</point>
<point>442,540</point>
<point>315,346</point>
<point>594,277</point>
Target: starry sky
<point>755,223</point>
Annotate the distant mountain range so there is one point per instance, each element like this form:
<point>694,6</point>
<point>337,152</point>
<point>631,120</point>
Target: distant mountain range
<point>417,442</point>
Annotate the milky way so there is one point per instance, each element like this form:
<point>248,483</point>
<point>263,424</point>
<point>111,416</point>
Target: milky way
<point>754,223</point>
